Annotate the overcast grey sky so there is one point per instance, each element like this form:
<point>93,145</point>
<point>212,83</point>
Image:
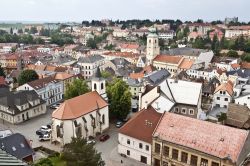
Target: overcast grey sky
<point>77,10</point>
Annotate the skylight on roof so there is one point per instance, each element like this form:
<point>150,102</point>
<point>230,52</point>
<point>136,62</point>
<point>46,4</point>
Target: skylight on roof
<point>22,145</point>
<point>13,148</point>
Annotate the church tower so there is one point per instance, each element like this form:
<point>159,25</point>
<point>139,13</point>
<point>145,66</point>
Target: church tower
<point>98,84</point>
<point>153,48</point>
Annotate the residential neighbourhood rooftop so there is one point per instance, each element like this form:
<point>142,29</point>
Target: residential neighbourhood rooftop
<point>142,125</point>
<point>217,140</point>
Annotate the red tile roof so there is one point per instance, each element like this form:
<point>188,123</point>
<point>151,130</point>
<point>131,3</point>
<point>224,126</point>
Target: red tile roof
<point>228,87</point>
<point>245,65</point>
<point>79,106</point>
<point>136,75</point>
<point>186,64</point>
<point>2,80</point>
<point>243,27</point>
<point>129,46</point>
<point>235,66</point>
<point>146,70</point>
<point>210,138</point>
<point>142,125</point>
<point>168,59</point>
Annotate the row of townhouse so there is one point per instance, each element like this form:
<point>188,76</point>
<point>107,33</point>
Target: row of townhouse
<point>237,31</point>
<point>171,139</point>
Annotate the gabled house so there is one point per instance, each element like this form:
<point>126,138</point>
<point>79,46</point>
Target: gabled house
<point>135,137</point>
<point>20,106</point>
<point>171,96</point>
<point>17,145</point>
<point>88,65</point>
<point>48,88</point>
<point>223,95</point>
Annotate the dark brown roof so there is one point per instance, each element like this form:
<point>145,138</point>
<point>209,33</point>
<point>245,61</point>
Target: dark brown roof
<point>40,83</point>
<point>238,116</point>
<point>142,125</point>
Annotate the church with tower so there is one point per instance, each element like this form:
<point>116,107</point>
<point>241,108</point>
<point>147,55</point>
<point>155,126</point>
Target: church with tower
<point>98,84</point>
<point>153,48</point>
<point>83,116</point>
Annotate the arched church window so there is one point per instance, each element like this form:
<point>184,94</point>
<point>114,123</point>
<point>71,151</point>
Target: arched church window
<point>103,119</point>
<point>102,86</point>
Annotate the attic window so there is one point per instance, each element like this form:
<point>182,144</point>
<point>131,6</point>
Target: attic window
<point>13,148</point>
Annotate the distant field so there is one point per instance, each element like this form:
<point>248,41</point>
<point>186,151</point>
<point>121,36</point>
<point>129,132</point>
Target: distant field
<point>15,25</point>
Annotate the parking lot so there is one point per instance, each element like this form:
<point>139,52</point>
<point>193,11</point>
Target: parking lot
<point>107,148</point>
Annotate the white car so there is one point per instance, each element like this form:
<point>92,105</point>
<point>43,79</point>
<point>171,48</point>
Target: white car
<point>45,137</point>
<point>91,142</point>
<point>45,128</point>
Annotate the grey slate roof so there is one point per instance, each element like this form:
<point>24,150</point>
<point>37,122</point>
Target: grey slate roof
<point>7,159</point>
<point>157,77</point>
<point>120,62</point>
<point>243,73</point>
<point>62,58</point>
<point>11,100</point>
<point>184,51</point>
<point>90,59</point>
<point>133,82</point>
<point>16,145</point>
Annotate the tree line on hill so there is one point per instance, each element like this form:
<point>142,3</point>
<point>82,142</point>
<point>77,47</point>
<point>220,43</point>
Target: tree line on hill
<point>27,38</point>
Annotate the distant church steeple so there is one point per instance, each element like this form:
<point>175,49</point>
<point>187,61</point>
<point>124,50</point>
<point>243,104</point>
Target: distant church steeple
<point>99,84</point>
<point>153,48</point>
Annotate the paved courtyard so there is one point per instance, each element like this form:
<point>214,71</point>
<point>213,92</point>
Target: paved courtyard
<point>107,148</point>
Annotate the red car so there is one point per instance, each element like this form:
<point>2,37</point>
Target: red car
<point>104,137</point>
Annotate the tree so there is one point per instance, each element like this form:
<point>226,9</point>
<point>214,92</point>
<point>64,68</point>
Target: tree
<point>76,88</point>
<point>232,53</point>
<point>119,98</point>
<point>44,162</point>
<point>246,57</point>
<point>106,74</point>
<point>33,30</point>
<point>20,31</point>
<point>27,76</point>
<point>78,153</point>
<point>2,72</point>
<point>11,31</point>
<point>92,43</point>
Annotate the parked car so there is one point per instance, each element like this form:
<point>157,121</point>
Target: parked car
<point>45,128</point>
<point>91,142</point>
<point>104,137</point>
<point>119,124</point>
<point>49,126</point>
<point>41,132</point>
<point>45,137</point>
<point>55,106</point>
